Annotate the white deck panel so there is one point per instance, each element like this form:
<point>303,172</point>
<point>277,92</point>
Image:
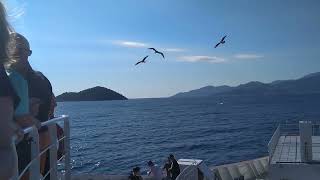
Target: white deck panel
<point>288,149</point>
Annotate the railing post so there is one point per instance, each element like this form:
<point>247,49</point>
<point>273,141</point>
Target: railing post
<point>53,151</point>
<point>305,128</point>
<point>35,166</point>
<point>67,149</point>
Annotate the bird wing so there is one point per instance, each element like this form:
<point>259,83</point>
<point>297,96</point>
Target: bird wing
<point>138,63</point>
<point>142,60</point>
<point>216,45</point>
<point>145,58</point>
<point>161,54</point>
<point>223,38</point>
<point>153,49</point>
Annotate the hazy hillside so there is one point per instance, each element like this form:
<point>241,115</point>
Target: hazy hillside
<point>309,84</point>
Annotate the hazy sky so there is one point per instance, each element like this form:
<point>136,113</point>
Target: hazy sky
<point>79,44</point>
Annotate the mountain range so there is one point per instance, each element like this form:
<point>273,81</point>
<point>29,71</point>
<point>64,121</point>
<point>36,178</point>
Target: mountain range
<point>309,84</point>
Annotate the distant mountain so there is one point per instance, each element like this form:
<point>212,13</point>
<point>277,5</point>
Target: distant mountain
<point>309,84</point>
<point>92,94</point>
<point>202,92</point>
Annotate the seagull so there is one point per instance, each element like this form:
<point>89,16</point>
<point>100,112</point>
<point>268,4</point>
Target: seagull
<point>157,52</point>
<point>142,61</point>
<point>222,41</point>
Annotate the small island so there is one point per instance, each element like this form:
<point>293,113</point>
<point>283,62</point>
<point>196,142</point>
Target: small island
<point>92,94</point>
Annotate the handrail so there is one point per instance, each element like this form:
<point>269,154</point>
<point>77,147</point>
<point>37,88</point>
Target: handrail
<point>54,120</point>
<point>186,171</point>
<point>274,141</point>
<point>46,123</point>
<point>34,164</point>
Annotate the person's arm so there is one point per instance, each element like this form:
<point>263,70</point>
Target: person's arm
<point>6,115</point>
<point>53,105</point>
<point>171,167</point>
<point>8,156</point>
<point>34,110</point>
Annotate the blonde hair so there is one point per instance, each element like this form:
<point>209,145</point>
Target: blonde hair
<point>5,30</point>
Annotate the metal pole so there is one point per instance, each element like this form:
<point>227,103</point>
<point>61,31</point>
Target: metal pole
<point>53,151</point>
<point>35,166</point>
<point>305,128</point>
<point>67,148</point>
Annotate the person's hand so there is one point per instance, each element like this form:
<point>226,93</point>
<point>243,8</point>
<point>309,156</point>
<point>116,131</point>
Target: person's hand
<point>18,132</point>
<point>37,123</point>
<point>24,121</point>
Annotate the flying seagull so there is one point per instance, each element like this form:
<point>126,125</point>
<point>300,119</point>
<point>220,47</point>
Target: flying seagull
<point>222,41</point>
<point>157,52</point>
<point>142,61</point>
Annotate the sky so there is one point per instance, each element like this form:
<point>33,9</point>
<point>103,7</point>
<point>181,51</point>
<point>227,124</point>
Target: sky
<point>82,44</point>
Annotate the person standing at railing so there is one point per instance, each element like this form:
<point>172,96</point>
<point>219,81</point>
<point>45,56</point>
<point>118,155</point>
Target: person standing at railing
<point>39,87</point>
<point>166,167</point>
<point>174,169</point>
<point>19,52</point>
<point>8,101</point>
<point>135,174</point>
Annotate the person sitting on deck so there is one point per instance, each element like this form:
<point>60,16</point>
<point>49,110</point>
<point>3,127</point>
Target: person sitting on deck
<point>155,171</point>
<point>135,174</point>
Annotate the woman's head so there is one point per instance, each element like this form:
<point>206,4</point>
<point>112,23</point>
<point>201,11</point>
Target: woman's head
<point>4,34</point>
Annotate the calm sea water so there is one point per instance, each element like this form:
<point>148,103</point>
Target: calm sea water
<point>111,137</point>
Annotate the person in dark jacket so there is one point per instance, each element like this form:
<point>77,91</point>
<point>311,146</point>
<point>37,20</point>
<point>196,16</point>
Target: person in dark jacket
<point>135,174</point>
<point>174,169</point>
<point>166,167</point>
<point>40,89</point>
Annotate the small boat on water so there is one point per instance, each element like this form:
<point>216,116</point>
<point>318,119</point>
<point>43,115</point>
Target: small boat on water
<point>294,154</point>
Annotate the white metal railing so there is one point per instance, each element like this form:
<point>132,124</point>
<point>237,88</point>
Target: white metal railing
<point>34,164</point>
<point>251,169</point>
<point>290,134</point>
<point>189,173</point>
<point>273,142</point>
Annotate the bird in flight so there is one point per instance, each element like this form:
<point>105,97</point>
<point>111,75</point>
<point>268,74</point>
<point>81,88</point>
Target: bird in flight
<point>222,41</point>
<point>142,61</point>
<point>157,52</point>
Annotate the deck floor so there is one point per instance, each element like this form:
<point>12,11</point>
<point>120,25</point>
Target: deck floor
<point>288,149</point>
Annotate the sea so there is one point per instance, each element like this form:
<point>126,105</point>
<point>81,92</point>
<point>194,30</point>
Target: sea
<point>112,137</point>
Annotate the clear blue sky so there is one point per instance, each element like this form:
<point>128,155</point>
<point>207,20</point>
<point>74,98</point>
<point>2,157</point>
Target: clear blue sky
<point>81,44</point>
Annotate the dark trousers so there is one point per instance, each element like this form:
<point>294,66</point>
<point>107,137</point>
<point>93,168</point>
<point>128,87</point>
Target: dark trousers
<point>174,176</point>
<point>24,153</point>
<point>47,166</point>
